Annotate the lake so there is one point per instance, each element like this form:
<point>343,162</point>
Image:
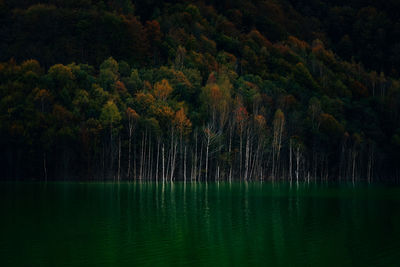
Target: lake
<point>199,224</point>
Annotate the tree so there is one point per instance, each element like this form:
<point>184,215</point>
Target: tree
<point>111,117</point>
<point>183,126</point>
<point>132,119</point>
<point>216,96</point>
<point>153,34</point>
<point>279,123</point>
<point>109,74</point>
<point>241,117</point>
<point>162,90</point>
<point>61,76</point>
<point>180,57</point>
<point>43,96</point>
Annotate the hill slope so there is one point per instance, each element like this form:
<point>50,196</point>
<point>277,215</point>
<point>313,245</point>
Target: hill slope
<point>202,90</point>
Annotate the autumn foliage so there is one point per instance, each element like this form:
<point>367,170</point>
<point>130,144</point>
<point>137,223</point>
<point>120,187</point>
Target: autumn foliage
<point>172,90</point>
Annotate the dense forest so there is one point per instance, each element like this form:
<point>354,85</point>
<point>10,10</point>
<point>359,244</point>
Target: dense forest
<point>199,90</point>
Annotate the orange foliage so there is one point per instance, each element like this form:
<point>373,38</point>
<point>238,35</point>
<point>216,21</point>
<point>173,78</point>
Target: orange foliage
<point>215,94</point>
<point>319,50</point>
<point>257,37</point>
<point>260,122</point>
<point>211,78</point>
<point>163,113</point>
<point>299,44</point>
<point>131,113</point>
<point>120,87</point>
<point>147,86</point>
<point>241,115</point>
<point>180,78</point>
<point>153,31</point>
<point>42,94</point>
<point>182,123</point>
<point>162,90</point>
<point>145,99</point>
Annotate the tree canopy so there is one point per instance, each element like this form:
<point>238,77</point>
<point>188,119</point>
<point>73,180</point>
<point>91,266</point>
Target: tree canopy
<point>199,89</point>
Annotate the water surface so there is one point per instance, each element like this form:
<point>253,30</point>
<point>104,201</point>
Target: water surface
<point>225,224</point>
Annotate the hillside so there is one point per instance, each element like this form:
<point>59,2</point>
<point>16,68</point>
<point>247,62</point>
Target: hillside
<point>199,90</point>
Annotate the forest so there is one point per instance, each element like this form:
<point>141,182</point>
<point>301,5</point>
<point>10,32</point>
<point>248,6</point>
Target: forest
<point>202,90</point>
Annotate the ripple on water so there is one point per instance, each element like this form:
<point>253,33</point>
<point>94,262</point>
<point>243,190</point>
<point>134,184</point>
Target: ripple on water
<point>245,224</point>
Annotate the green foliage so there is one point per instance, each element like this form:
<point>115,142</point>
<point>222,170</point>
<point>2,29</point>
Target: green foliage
<point>186,67</point>
<point>61,76</point>
<point>110,115</point>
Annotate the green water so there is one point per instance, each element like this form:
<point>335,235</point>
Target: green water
<point>238,224</point>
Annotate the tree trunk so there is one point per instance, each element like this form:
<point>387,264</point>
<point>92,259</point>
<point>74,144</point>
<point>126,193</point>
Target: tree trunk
<point>111,153</point>
<point>141,158</point>
<point>129,154</point>
<point>173,155</point>
<point>158,155</point>
<point>297,164</point>
<point>246,171</point>
<point>184,165</point>
<point>149,156</point>
<point>163,162</point>
<point>180,154</point>
<point>194,167</point>
<point>230,152</point>
<point>354,166</point>
<point>119,157</point>
<point>207,148</point>
<point>240,154</point>
<point>200,162</point>
<point>44,166</point>
<point>290,160</point>
<point>134,161</point>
